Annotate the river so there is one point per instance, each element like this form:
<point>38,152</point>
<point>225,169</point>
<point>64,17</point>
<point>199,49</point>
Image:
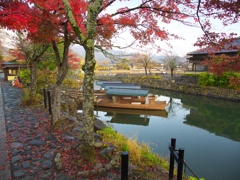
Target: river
<point>208,129</point>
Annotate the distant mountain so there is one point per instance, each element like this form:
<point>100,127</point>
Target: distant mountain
<point>182,59</point>
<point>100,57</point>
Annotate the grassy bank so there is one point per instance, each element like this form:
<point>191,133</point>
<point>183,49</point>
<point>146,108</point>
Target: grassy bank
<point>149,164</point>
<point>140,154</point>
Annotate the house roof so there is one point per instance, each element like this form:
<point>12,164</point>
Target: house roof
<point>228,48</point>
<point>101,82</point>
<point>117,84</point>
<point>122,87</point>
<point>12,63</point>
<point>128,92</point>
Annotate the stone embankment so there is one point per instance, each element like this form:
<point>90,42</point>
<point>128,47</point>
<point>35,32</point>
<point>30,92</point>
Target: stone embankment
<point>177,83</point>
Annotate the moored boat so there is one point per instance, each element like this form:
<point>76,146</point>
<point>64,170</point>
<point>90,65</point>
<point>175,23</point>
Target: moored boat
<point>128,98</point>
<point>137,104</point>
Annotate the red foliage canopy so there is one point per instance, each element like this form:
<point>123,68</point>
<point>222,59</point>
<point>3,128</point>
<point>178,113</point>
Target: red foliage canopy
<point>74,60</point>
<point>18,53</point>
<point>43,20</point>
<point>225,11</point>
<point>223,63</point>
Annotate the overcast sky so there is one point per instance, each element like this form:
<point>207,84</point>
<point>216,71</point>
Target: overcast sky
<point>179,47</point>
<point>190,34</point>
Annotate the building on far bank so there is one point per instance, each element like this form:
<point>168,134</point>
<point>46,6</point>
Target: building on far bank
<point>196,58</point>
<point>11,69</point>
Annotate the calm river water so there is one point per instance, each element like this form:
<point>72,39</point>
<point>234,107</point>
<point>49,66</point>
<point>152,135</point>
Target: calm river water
<point>208,129</point>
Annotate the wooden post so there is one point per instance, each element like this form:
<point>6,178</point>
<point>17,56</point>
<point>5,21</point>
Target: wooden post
<point>180,164</point>
<point>49,103</point>
<point>124,166</point>
<point>171,166</point>
<point>45,98</point>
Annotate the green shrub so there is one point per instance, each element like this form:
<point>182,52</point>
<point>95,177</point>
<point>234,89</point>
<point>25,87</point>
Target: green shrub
<point>27,101</point>
<point>143,77</point>
<point>222,81</point>
<point>151,77</point>
<point>207,79</point>
<point>192,75</point>
<point>193,178</point>
<point>156,77</point>
<point>25,76</point>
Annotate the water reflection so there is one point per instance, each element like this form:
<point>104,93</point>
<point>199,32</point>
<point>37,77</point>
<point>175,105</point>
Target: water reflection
<point>220,117</point>
<point>127,116</point>
<point>223,120</point>
<point>129,119</point>
<point>189,119</point>
<point>217,116</point>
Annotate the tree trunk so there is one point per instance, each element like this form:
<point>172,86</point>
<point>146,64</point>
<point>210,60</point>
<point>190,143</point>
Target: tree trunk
<point>56,99</point>
<point>88,42</point>
<point>87,150</point>
<point>61,74</point>
<point>33,80</point>
<point>56,104</point>
<point>145,68</point>
<point>171,71</point>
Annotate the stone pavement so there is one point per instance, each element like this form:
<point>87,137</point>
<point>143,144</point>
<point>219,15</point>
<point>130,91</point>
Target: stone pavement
<point>28,146</point>
<point>5,173</point>
<point>27,151</point>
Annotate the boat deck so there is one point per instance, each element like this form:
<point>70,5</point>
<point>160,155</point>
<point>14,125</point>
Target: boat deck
<point>132,104</point>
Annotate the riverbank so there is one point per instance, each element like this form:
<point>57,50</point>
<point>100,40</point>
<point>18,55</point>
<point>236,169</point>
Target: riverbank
<point>34,150</point>
<point>177,83</point>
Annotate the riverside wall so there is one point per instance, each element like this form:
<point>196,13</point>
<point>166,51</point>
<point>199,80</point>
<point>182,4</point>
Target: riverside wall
<point>178,84</point>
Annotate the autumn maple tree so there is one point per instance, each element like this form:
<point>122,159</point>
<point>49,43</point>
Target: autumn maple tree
<point>218,64</point>
<point>43,22</point>
<point>31,53</point>
<point>92,25</point>
<point>38,55</point>
<point>221,64</point>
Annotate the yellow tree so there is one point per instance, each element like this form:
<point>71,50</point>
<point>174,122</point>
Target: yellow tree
<point>143,60</point>
<point>170,60</point>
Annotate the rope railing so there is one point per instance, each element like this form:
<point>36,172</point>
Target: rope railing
<point>186,166</point>
<point>178,156</point>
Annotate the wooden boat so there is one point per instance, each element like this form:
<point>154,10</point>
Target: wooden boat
<point>131,104</point>
<point>130,99</point>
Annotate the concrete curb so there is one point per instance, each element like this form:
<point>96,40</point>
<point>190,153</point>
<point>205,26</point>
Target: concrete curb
<point>5,173</point>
